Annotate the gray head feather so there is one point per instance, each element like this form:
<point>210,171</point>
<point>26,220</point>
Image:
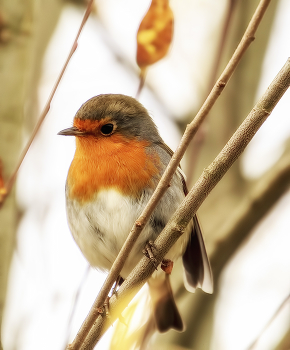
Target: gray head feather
<point>131,118</point>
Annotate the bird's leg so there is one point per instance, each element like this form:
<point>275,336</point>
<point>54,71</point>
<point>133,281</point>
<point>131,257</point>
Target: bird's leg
<point>117,284</point>
<point>167,266</point>
<point>149,254</point>
<point>105,308</point>
<point>101,310</point>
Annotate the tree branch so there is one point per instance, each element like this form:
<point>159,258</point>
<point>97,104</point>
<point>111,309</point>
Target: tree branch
<point>190,131</point>
<point>285,342</point>
<point>237,229</point>
<point>271,320</point>
<point>179,221</point>
<point>12,179</point>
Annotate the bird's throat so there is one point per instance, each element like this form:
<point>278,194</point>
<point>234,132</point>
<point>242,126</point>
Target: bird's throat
<point>111,163</point>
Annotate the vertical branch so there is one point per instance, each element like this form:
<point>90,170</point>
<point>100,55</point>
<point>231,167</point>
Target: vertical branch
<point>142,77</point>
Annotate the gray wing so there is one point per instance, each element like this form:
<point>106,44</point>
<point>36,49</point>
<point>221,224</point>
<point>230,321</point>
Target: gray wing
<point>197,269</point>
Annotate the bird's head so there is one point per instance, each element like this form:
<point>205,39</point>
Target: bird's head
<point>110,114</point>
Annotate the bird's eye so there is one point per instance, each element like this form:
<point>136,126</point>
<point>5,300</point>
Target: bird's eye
<point>107,129</point>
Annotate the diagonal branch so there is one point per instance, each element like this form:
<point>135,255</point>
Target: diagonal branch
<point>164,182</point>
<point>223,39</point>
<point>179,221</point>
<point>285,341</point>
<point>271,320</point>
<point>268,190</point>
<point>191,129</point>
<point>12,179</point>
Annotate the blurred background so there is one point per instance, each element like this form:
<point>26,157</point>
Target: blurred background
<point>245,220</point>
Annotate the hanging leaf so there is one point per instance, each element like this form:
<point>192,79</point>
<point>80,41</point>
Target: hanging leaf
<point>154,34</point>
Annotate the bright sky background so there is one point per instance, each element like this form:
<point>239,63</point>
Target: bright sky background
<point>48,267</point>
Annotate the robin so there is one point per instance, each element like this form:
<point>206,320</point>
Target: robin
<point>119,159</point>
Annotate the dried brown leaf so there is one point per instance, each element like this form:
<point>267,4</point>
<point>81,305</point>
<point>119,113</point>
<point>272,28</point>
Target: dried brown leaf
<point>154,34</point>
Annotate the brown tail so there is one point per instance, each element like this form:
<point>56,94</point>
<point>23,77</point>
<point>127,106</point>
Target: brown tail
<point>165,310</point>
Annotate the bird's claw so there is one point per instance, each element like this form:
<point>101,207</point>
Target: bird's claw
<point>167,266</point>
<point>149,254</point>
<point>104,310</point>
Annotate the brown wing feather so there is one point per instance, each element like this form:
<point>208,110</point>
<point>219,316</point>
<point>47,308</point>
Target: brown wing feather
<point>170,152</point>
<point>165,310</point>
<point>196,264</point>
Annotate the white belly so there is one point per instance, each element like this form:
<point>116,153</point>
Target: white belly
<point>101,227</point>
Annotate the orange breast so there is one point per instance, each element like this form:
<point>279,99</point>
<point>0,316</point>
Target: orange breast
<point>111,162</point>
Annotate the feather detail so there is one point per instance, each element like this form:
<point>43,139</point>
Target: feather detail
<point>196,264</point>
<point>165,310</point>
<point>101,163</point>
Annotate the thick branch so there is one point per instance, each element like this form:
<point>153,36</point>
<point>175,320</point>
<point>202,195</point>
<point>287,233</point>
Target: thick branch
<point>169,172</point>
<point>240,223</point>
<point>179,221</point>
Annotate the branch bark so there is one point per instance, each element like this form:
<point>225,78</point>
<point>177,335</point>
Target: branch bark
<point>237,229</point>
<point>191,130</point>
<point>231,108</point>
<point>274,316</point>
<point>179,221</point>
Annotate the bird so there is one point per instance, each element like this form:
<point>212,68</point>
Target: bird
<point>118,162</point>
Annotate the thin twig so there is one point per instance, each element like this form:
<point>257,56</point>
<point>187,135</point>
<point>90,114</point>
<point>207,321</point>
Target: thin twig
<point>12,179</point>
<point>195,146</point>
<point>224,36</point>
<point>184,213</point>
<point>280,308</point>
<point>74,304</point>
<point>237,229</point>
<point>142,77</point>
<point>191,129</point>
<point>113,46</point>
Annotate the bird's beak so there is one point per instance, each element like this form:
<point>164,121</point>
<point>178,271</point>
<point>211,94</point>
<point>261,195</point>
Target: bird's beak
<point>73,131</point>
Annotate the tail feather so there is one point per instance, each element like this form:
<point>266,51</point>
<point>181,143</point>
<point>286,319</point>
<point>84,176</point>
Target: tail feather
<point>196,264</point>
<point>165,310</point>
